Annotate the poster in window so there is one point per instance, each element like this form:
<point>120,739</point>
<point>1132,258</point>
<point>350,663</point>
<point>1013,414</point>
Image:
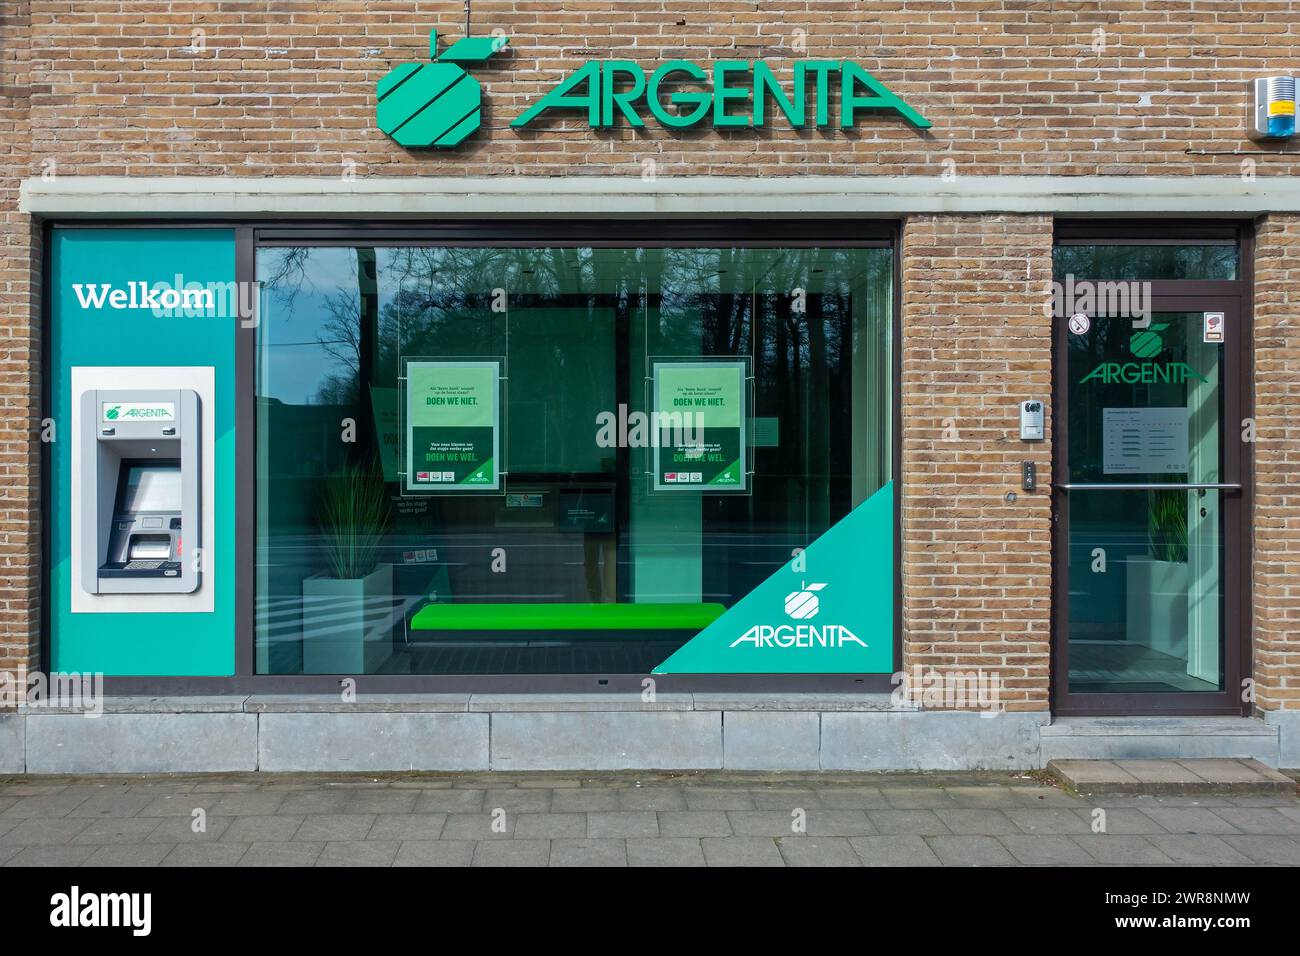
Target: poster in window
<point>699,426</point>
<point>453,427</point>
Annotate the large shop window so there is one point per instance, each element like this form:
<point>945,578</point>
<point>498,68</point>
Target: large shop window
<point>458,471</point>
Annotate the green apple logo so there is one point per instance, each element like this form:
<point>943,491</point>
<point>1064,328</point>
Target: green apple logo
<point>435,104</point>
<point>1145,343</point>
<point>110,414</point>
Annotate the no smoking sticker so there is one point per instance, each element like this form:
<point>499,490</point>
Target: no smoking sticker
<point>1079,323</point>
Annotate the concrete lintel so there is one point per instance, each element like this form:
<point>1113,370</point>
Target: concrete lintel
<point>824,703</point>
<point>603,196</point>
<point>338,742</point>
<point>141,743</point>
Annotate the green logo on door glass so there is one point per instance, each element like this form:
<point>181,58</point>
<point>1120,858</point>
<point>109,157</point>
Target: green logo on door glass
<point>435,104</point>
<point>1144,344</point>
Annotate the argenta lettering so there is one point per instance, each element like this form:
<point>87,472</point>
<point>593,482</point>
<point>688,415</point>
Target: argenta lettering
<point>801,635</point>
<point>75,908</point>
<point>1143,373</point>
<point>732,93</point>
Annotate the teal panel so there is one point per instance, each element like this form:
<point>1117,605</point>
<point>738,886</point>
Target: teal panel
<point>184,644</point>
<point>828,611</point>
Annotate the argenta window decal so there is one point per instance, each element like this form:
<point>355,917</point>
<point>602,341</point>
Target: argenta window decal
<point>438,104</point>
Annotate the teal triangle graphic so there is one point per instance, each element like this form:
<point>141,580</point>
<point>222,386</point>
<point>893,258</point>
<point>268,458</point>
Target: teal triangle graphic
<point>789,625</point>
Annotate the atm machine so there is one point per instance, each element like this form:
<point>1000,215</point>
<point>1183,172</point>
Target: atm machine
<point>139,483</point>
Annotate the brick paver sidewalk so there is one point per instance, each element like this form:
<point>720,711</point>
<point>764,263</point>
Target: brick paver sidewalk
<point>617,819</point>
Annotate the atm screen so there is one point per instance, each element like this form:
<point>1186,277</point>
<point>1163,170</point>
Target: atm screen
<point>155,486</point>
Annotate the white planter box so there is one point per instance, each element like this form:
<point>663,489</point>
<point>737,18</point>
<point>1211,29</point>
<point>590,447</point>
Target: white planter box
<point>347,623</point>
<point>1157,605</point>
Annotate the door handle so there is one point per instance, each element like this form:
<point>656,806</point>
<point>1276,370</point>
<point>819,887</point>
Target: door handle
<point>1152,486</point>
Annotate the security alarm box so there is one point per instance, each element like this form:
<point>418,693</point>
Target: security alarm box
<point>1031,421</point>
<point>140,490</point>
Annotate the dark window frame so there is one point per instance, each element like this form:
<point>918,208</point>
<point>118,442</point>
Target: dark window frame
<point>608,233</point>
<point>1167,295</point>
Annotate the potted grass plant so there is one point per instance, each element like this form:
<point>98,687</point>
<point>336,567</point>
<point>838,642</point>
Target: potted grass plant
<point>347,609</point>
<point>1158,582</point>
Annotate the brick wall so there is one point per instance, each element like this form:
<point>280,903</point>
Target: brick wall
<point>976,342</point>
<point>20,251</point>
<point>1277,464</point>
<point>1013,87</point>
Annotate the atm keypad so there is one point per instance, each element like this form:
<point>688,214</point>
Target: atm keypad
<point>143,565</point>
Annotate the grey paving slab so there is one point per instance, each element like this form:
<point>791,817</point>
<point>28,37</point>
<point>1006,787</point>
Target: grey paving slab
<point>407,826</point>
<point>333,827</point>
<point>694,823</point>
<point>916,798</point>
<point>666,851</point>
<point>315,801</point>
<point>1283,851</point>
<point>57,831</point>
<point>764,823</point>
<point>844,823</point>
<point>51,856</point>
<point>968,850</point>
<point>449,801</point>
<point>479,826</point>
<point>817,851</point>
<point>117,803</point>
<point>267,829</point>
<point>382,801</point>
<point>599,852</point>
<point>651,798</point>
<point>1121,820</point>
<point>126,830</point>
<point>358,853</point>
<point>547,826</point>
<point>46,806</point>
<point>977,822</point>
<point>717,798</point>
<point>1049,820</point>
<point>893,850</point>
<point>512,853</point>
<point>1122,850</point>
<point>1258,820</point>
<point>183,830</point>
<point>247,804</point>
<point>514,800</point>
<point>133,855</point>
<point>1045,850</point>
<point>1189,820</point>
<point>204,854</point>
<point>281,854</point>
<point>584,801</point>
<point>854,798</point>
<point>741,851</point>
<point>917,822</point>
<point>637,823</point>
<point>1199,849</point>
<point>434,853</point>
<point>786,798</point>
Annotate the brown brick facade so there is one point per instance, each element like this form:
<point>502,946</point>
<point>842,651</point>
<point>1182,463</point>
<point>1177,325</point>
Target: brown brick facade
<point>1277,464</point>
<point>20,269</point>
<point>976,342</point>
<point>1125,88</point>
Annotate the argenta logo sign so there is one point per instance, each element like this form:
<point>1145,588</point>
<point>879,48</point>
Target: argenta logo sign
<point>1144,344</point>
<point>438,103</point>
<point>136,412</point>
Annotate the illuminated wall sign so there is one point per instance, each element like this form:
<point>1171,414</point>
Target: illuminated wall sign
<point>731,93</point>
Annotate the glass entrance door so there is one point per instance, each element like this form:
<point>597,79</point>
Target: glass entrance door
<point>1148,509</point>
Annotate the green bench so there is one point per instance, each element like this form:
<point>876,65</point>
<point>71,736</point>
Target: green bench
<point>570,619</point>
